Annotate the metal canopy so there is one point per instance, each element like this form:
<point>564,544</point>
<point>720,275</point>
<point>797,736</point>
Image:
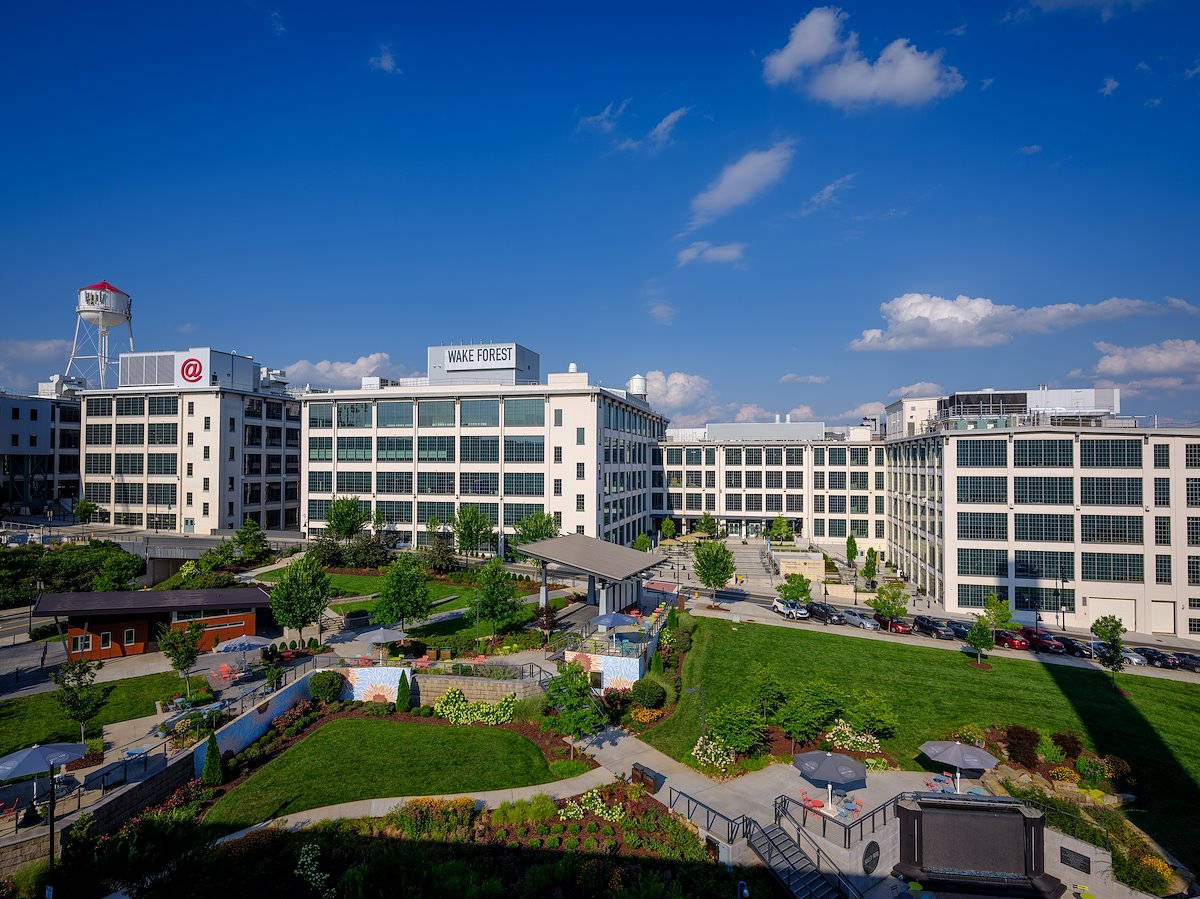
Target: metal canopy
<point>587,555</point>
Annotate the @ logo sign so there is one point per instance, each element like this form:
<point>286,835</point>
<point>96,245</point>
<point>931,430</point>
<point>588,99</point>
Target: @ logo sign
<point>191,369</point>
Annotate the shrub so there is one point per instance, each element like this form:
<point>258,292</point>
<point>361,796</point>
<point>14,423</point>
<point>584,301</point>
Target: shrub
<point>570,844</point>
<point>453,706</point>
<point>529,710</point>
<point>737,725</point>
<point>501,834</point>
<point>615,702</point>
<point>573,828</point>
<point>646,716</point>
<point>433,818</point>
<point>590,845</point>
<point>1022,743</point>
<point>607,830</point>
<point>291,644</point>
<point>426,711</point>
<point>379,709</point>
<point>212,775</point>
<point>1069,775</point>
<point>403,693</point>
<point>551,843</point>
<point>592,827</point>
<point>648,693</point>
<point>1090,769</point>
<point>556,829</point>
<point>843,736</point>
<point>1117,769</point>
<point>326,686</point>
<point>1049,751</point>
<point>970,733</point>
<point>872,714</point>
<point>1069,742</point>
<point>543,829</point>
<point>713,752</point>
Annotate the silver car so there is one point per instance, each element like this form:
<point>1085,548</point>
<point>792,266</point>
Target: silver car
<point>854,618</point>
<point>1131,658</point>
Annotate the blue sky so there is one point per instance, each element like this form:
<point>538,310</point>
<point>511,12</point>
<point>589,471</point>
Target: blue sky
<point>766,208</point>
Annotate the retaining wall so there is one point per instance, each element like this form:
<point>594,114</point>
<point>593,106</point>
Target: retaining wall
<point>379,685</point>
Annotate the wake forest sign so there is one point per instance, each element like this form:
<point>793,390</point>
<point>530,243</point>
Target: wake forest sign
<point>478,356</point>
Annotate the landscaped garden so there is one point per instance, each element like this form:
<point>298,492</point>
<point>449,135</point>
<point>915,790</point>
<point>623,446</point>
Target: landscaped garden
<point>932,693</point>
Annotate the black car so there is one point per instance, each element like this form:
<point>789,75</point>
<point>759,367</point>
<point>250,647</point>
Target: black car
<point>958,628</point>
<point>823,611</point>
<point>931,627</point>
<point>1073,647</point>
<point>1188,661</point>
<point>1157,657</point>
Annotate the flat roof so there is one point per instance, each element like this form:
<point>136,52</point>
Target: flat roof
<point>148,601</point>
<point>591,556</point>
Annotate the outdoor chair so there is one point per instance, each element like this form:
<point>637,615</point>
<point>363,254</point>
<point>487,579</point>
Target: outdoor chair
<point>479,659</point>
<point>8,811</point>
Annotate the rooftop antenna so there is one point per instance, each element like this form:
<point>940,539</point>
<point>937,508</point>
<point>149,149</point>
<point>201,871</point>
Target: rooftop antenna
<point>100,307</point>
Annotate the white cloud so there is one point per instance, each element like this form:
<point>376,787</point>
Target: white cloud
<point>741,181</point>
<point>861,411</point>
<point>753,412</point>
<point>605,120</point>
<point>275,20</point>
<point>793,378</point>
<point>918,321</point>
<point>24,362</point>
<point>813,39</point>
<point>986,83</point>
<point>1110,84</point>
<point>1174,355</point>
<point>1143,386</point>
<point>802,413</point>
<point>676,391</point>
<point>958,30</point>
<point>827,195</point>
<point>660,135</point>
<point>185,328</point>
<point>1192,72</point>
<point>385,62</point>
<point>1142,67</point>
<point>703,251</point>
<point>1183,306</point>
<point>1030,149</point>
<point>921,388</point>
<point>1106,8</point>
<point>902,75</point>
<point>1154,101</point>
<point>329,373</point>
<point>662,312</point>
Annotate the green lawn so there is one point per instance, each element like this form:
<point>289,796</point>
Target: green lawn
<point>40,719</point>
<point>371,758</point>
<point>366,584</point>
<point>1155,729</point>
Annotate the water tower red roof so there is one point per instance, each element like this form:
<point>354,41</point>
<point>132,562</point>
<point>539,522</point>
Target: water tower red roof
<point>104,285</point>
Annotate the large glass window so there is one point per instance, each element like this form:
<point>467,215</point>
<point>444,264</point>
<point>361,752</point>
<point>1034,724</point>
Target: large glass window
<point>525,413</point>
<point>1162,492</point>
<point>129,463</point>
<point>524,483</point>
<point>733,456</point>
<point>130,405</point>
<point>1044,528</point>
<point>974,453</point>
<point>837,456</point>
<point>320,449</point>
<point>1047,491</point>
<point>162,434</point>
<point>160,494</point>
<point>480,413</point>
<point>354,449</point>
<point>394,449</point>
<point>394,414</point>
<point>320,481</point>
<point>524,449</point>
<point>974,596</point>
<point>976,489</point>
<point>1043,453</point>
<point>394,482</point>
<point>754,480</point>
<point>1110,491</point>
<point>514,512</point>
<point>753,456</point>
<point>98,435</point>
<point>1162,455</point>
<point>99,405</point>
<point>1122,453</point>
<point>354,415</point>
<point>1117,567</point>
<point>479,449</point>
<point>130,435</point>
<point>794,480</point>
<point>130,494</point>
<point>1043,565</point>
<point>163,405</point>
<point>395,511</point>
<point>435,482</point>
<point>479,483</point>
<point>353,482</point>
<point>794,455</point>
<point>320,415</point>
<point>982,526</point>
<point>435,413</point>
<point>318,509</point>
<point>435,449</point>
<point>773,456</point>
<point>97,463</point>
<point>860,480</point>
<point>1045,599</point>
<point>1110,528</point>
<point>986,562</point>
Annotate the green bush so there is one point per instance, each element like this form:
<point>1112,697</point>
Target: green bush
<point>1050,751</point>
<point>95,745</point>
<point>212,775</point>
<point>590,845</point>
<point>543,829</point>
<point>291,644</point>
<point>556,829</point>
<point>29,880</point>
<point>403,693</point>
<point>312,643</point>
<point>607,830</point>
<point>551,842</point>
<point>1090,769</point>
<point>648,693</point>
<point>592,827</point>
<point>570,844</point>
<point>871,713</point>
<point>656,664</point>
<point>326,686</point>
<point>738,725</point>
<point>573,828</point>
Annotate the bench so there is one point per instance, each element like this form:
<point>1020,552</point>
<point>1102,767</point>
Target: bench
<point>648,778</point>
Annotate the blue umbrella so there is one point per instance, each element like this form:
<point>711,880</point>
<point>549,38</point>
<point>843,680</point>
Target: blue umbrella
<point>37,759</point>
<point>613,619</point>
<point>243,644</point>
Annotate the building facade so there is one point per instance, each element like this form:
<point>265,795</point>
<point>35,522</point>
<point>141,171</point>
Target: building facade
<point>1067,514</point>
<point>827,484</point>
<point>481,429</point>
<point>39,449</point>
<point>194,441</point>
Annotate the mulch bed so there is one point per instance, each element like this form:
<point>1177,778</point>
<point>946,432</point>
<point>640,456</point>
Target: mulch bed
<point>781,744</point>
<point>90,760</point>
<point>982,666</point>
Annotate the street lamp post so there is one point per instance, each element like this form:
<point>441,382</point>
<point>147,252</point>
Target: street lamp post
<point>703,716</point>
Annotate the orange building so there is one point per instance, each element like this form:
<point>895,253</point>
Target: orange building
<point>112,625</point>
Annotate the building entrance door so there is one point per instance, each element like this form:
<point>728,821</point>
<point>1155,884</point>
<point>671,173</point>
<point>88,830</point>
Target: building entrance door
<point>189,525</point>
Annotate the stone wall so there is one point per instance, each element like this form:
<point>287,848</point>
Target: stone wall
<point>428,688</point>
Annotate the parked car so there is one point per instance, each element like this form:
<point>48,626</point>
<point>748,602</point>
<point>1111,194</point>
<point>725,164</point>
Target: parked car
<point>1010,640</point>
<point>931,627</point>
<point>958,628</point>
<point>823,611</point>
<point>1078,648</point>
<point>789,608</point>
<point>1188,661</point>
<point>1136,659</point>
<point>895,625</point>
<point>855,618</point>
<point>1041,641</point>
<point>871,585</point>
<point>1157,657</point>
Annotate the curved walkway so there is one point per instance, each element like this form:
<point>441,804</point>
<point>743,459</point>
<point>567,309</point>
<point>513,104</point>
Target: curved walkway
<point>377,808</point>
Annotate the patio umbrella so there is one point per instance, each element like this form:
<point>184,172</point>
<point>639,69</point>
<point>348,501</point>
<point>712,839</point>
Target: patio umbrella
<point>37,759</point>
<point>959,755</point>
<point>829,769</point>
<point>382,635</point>
<point>614,619</point>
<point>243,644</point>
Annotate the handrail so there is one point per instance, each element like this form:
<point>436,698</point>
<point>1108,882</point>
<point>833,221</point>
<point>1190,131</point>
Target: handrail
<point>712,816</point>
<point>843,883</point>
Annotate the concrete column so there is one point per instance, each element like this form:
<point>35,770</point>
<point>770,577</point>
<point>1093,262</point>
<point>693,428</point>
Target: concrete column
<point>639,593</point>
<point>604,600</point>
<point>591,594</point>
<point>542,591</point>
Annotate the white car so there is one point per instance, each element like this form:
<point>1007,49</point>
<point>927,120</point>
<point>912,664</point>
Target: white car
<point>789,608</point>
<point>854,618</point>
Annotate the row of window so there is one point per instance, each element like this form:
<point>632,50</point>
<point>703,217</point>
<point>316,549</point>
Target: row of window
<point>485,413</point>
<point>401,511</point>
<point>474,483</point>
<point>132,405</point>
<point>130,463</point>
<point>161,434</point>
<point>1037,564</point>
<point>838,456</point>
<point>430,449</point>
<point>837,527</point>
<point>132,494</point>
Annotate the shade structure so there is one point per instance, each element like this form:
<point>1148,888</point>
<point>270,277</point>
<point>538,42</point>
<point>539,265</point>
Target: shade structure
<point>831,769</point>
<point>958,755</point>
<point>39,759</point>
<point>382,635</point>
<point>244,643</point>
<point>613,619</point>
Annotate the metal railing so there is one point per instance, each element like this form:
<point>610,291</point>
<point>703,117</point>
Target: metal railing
<point>819,857</point>
<point>711,817</point>
<point>842,832</point>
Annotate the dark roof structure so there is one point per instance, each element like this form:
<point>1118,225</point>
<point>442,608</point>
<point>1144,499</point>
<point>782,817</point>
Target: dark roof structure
<point>588,555</point>
<point>144,602</point>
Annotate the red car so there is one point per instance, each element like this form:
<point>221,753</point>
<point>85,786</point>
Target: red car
<point>1009,640</point>
<point>895,625</point>
<point>1041,641</point>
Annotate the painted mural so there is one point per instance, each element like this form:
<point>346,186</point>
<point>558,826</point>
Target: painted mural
<point>372,684</point>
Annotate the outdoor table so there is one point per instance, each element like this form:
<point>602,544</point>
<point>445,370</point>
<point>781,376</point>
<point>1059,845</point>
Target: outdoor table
<point>135,752</point>
<point>849,803</point>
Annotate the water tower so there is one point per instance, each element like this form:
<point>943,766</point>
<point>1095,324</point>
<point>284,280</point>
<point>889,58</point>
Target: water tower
<point>100,308</point>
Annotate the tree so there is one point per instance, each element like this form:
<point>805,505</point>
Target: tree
<point>471,528</point>
<point>571,694</point>
<point>780,529</point>
<point>117,571</point>
<point>766,690</point>
<point>439,554</point>
<point>980,637</point>
<point>181,646</point>
<point>216,557</point>
<point>496,600</point>
<point>706,525</point>
<point>251,541</point>
<point>642,543</point>
<point>404,594</point>
<point>870,564</point>
<point>213,774</point>
<point>83,510</point>
<point>433,526</point>
<point>668,528</point>
<point>300,595</point>
<point>346,517</point>
<point>535,527</point>
<point>713,564</point>
<point>851,550</point>
<point>81,700</point>
<point>807,714</point>
<point>1110,651</point>
<point>890,602</point>
<point>997,613</point>
<point>545,618</point>
<point>795,587</point>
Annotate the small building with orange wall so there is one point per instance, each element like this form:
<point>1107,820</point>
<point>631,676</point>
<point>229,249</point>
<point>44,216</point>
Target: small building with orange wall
<point>117,624</point>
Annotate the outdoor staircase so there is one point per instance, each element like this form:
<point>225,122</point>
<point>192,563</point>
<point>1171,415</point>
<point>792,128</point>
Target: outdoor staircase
<point>787,861</point>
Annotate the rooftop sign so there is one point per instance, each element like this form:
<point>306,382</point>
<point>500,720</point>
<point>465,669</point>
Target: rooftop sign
<point>471,357</point>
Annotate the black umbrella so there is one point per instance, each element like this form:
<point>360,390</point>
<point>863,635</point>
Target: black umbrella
<point>37,759</point>
<point>829,769</point>
<point>959,755</point>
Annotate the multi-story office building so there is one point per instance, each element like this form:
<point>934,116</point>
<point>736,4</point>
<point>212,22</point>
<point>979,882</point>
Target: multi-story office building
<point>1054,503</point>
<point>827,484</point>
<point>39,449</point>
<point>194,441</point>
<point>482,429</point>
